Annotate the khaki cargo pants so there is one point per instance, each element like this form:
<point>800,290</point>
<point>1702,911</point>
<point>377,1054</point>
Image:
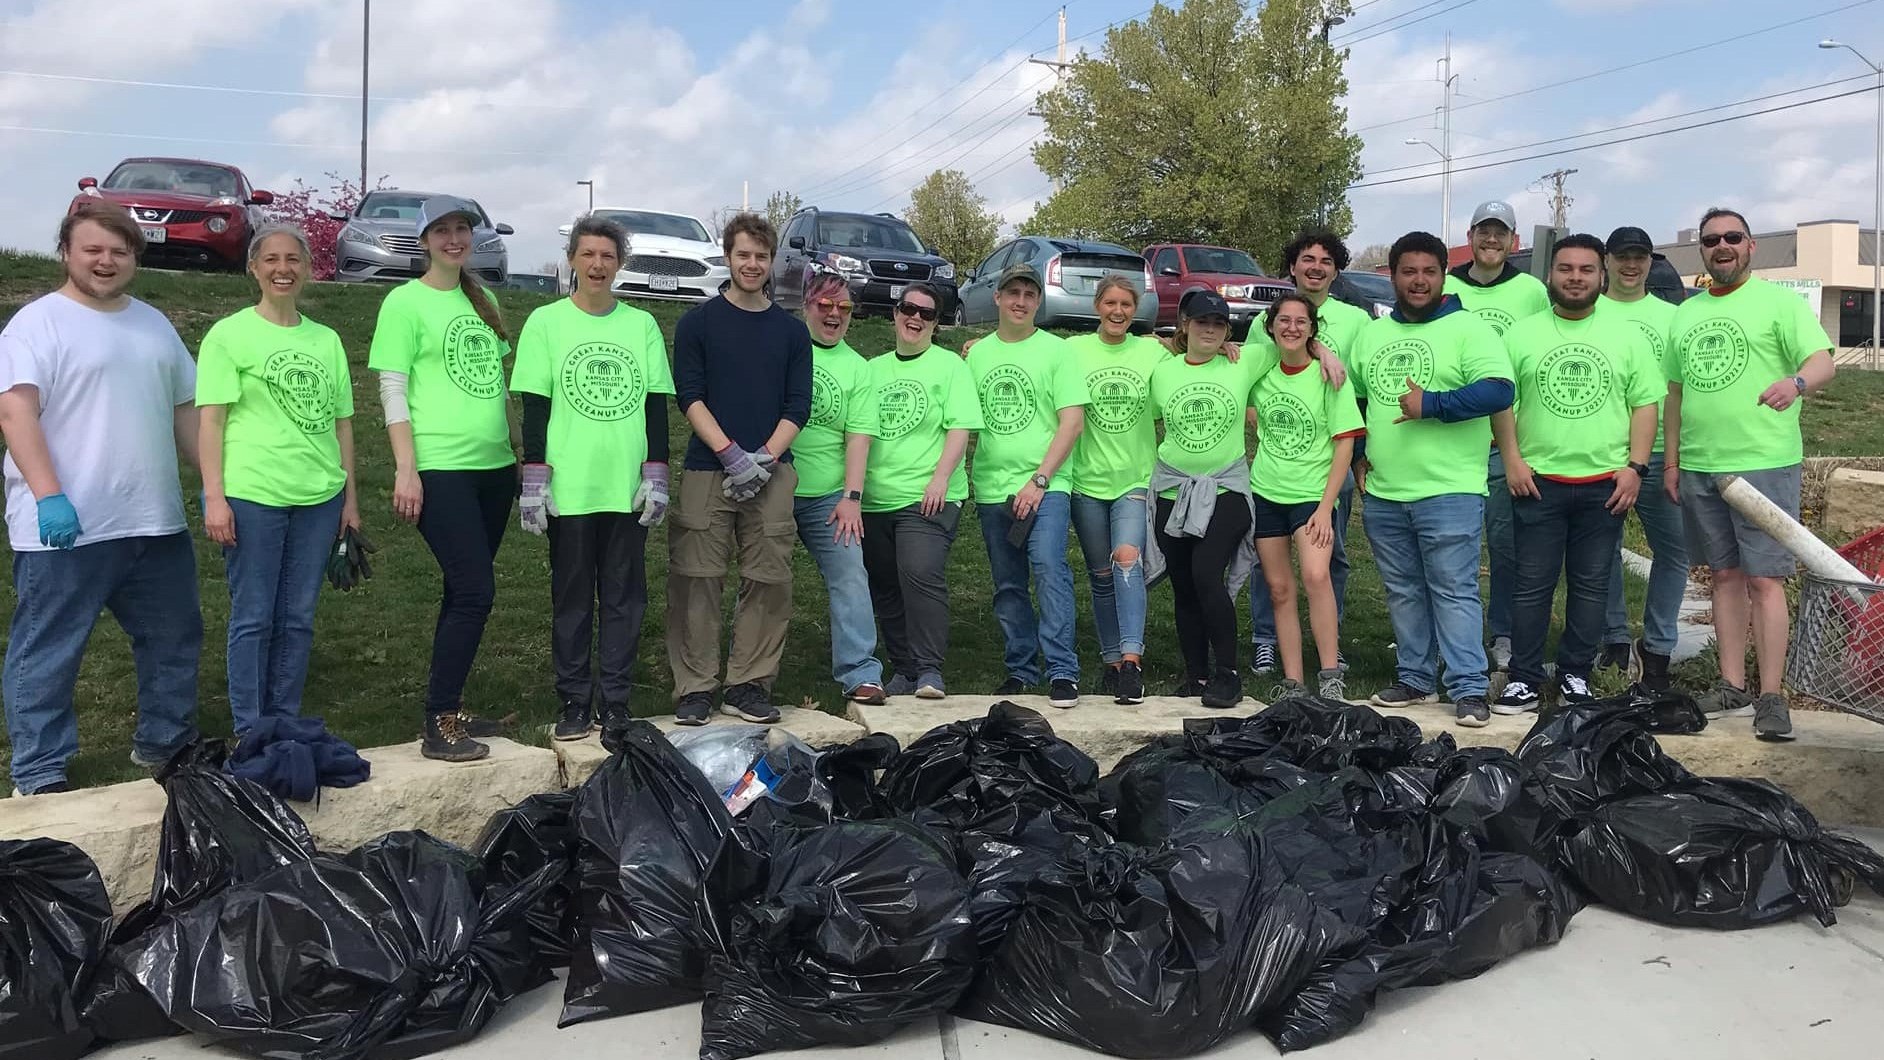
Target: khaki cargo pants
<point>704,530</point>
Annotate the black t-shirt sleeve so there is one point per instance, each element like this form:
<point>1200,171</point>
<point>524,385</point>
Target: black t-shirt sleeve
<point>536,414</point>
<point>657,428</point>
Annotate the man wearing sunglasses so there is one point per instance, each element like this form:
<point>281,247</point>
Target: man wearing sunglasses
<point>830,455</point>
<point>1740,358</point>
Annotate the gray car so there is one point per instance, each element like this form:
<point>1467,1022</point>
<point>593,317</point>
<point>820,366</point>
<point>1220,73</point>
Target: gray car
<point>380,241</point>
<point>1072,269</point>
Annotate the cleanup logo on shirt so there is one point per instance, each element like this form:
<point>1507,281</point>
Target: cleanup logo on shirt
<point>1007,399</point>
<point>473,358</point>
<point>1286,426</point>
<point>827,400</point>
<point>300,384</point>
<point>1497,318</point>
<point>1574,381</point>
<point>902,405</point>
<point>1198,415</point>
<point>1118,399</point>
<point>603,382</point>
<point>1391,366</point>
<point>1657,343</point>
<point>1714,355</point>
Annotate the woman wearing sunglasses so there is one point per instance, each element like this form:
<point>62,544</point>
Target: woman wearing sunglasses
<point>828,504</point>
<point>914,486</point>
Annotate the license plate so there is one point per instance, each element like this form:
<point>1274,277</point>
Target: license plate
<point>154,233</point>
<point>896,291</point>
<point>663,283</point>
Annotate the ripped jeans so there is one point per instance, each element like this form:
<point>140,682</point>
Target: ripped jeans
<point>1112,539</point>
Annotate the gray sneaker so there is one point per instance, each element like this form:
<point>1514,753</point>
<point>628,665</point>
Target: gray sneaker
<point>1772,719</point>
<point>1400,695</point>
<point>1332,684</point>
<point>1500,654</point>
<point>900,685</point>
<point>1287,689</point>
<point>929,686</point>
<point>1726,701</point>
<point>1472,712</point>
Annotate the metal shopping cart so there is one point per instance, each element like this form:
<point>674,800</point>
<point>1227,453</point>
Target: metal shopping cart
<point>1837,654</point>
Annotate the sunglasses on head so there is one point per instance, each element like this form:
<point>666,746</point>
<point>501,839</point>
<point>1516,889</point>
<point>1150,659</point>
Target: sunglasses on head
<point>911,309</point>
<point>828,304</point>
<point>1733,239</point>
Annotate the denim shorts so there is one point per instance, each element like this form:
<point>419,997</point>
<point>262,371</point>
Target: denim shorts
<point>1280,520</point>
<point>1724,539</point>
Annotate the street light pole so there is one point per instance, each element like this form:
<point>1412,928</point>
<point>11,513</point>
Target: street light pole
<point>1445,194</point>
<point>366,35</point>
<point>1877,206</point>
<point>590,184</point>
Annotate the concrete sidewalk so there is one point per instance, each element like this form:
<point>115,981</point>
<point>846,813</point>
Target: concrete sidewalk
<point>1613,989</point>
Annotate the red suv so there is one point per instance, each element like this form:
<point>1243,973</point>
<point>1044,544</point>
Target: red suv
<point>1179,267</point>
<point>192,212</point>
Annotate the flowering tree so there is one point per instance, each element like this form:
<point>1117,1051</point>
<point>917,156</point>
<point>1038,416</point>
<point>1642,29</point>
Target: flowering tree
<point>310,210</point>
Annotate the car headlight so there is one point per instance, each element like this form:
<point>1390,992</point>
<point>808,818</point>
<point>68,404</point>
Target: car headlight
<point>217,224</point>
<point>350,234</point>
<point>844,263</point>
<point>717,261</point>
<point>945,271</point>
<point>492,244</point>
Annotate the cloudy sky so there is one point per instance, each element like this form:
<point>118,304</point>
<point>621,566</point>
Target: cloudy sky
<point>850,102</point>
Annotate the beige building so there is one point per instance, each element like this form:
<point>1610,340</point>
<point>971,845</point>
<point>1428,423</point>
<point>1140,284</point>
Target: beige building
<point>1828,262</point>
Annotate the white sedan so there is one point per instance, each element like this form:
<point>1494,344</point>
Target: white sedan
<point>670,255</point>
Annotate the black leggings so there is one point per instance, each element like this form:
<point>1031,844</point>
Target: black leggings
<point>1206,613</point>
<point>462,519</point>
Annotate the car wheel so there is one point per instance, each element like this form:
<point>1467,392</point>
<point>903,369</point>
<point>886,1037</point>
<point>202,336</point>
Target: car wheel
<point>959,318</point>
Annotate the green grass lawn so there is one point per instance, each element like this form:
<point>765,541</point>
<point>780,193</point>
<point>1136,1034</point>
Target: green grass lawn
<point>371,646</point>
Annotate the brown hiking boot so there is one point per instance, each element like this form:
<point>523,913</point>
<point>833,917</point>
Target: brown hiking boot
<point>447,740</point>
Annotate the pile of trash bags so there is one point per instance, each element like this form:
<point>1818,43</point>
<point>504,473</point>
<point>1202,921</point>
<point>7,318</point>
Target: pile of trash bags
<point>1274,873</point>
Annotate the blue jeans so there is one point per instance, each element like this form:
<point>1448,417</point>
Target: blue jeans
<point>1262,614</point>
<point>1045,558</point>
<point>853,620</point>
<point>1501,541</point>
<point>1668,575</point>
<point>1427,553</point>
<point>149,585</point>
<point>1566,531</point>
<point>1118,590</point>
<point>274,571</point>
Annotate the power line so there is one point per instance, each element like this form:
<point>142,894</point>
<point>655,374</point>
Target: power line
<point>468,152</point>
<point>348,97</point>
<point>1367,36</point>
<point>1001,121</point>
<point>950,164</point>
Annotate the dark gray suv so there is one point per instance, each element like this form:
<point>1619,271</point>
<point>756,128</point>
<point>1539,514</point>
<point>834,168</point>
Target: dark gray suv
<point>877,252</point>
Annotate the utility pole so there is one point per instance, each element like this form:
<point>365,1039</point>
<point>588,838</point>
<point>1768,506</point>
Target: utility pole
<point>590,184</point>
<point>366,34</point>
<point>1060,67</point>
<point>1446,81</point>
<point>745,196</point>
<point>1560,199</point>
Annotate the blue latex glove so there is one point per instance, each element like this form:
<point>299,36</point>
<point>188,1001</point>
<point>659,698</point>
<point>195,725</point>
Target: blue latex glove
<point>58,522</point>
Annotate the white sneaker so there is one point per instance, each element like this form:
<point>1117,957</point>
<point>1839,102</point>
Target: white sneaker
<point>1517,698</point>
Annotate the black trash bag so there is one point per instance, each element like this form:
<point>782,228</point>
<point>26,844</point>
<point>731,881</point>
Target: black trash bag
<point>1155,952</point>
<point>1005,851</point>
<point>1719,853</point>
<point>862,928</point>
<point>1576,758</point>
<point>1481,791</point>
<point>850,772</point>
<point>1153,790</point>
<point>1320,735</point>
<point>521,840</point>
<point>649,831</point>
<point>54,918</point>
<point>395,951</point>
<point>968,769</point>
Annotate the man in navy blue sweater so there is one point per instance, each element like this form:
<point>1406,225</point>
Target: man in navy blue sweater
<point>742,376</point>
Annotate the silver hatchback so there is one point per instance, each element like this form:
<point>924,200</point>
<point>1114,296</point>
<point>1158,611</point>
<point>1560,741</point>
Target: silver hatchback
<point>380,241</point>
<point>1072,269</point>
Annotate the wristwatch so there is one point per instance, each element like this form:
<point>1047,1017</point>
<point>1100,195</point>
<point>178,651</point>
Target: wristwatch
<point>1041,481</point>
<point>1799,381</point>
<point>853,495</point>
<point>1641,470</point>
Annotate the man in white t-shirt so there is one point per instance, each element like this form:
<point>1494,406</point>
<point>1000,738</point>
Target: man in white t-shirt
<point>96,395</point>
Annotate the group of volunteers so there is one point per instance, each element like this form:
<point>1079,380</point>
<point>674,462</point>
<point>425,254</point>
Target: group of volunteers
<point>1487,410</point>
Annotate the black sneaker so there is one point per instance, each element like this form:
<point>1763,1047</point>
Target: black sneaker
<point>1263,659</point>
<point>1109,681</point>
<point>1651,668</point>
<point>1190,688</point>
<point>1517,698</point>
<point>577,722</point>
<point>485,728</point>
<point>1472,712</point>
<point>447,740</point>
<point>614,724</point>
<point>1573,689</point>
<point>1616,655</point>
<point>1225,690</point>
<point>1130,687</point>
<point>1013,686</point>
<point>1772,718</point>
<point>1063,693</point>
<point>693,708</point>
<point>749,701</point>
<point>1402,695</point>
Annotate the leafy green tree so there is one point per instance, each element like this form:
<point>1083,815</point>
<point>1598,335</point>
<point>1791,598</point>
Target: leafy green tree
<point>780,206</point>
<point>1203,123</point>
<point>949,215</point>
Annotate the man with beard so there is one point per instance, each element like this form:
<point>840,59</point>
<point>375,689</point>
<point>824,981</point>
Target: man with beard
<point>1432,373</point>
<point>97,400</point>
<point>742,376</point>
<point>1575,448</point>
<point>1740,358</point>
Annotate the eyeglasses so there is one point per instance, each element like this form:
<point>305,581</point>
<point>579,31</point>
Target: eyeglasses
<point>828,304</point>
<point>911,309</point>
<point>1733,239</point>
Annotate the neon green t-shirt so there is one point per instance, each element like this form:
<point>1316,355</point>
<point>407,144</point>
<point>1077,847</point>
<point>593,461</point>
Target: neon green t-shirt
<point>1022,386</point>
<point>1298,418</point>
<point>597,372</point>
<point>1578,383</point>
<point>840,405</point>
<point>1502,304</point>
<point>1202,409</point>
<point>1725,350</point>
<point>285,387</point>
<point>1652,317</point>
<point>918,401</point>
<point>454,368</point>
<point>1116,451</point>
<point>1339,324</point>
<point>1424,458</point>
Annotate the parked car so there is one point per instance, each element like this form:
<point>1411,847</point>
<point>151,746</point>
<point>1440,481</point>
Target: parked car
<point>1071,270</point>
<point>1372,291</point>
<point>878,253</point>
<point>192,212</point>
<point>380,241</point>
<point>670,255</point>
<point>1179,267</point>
